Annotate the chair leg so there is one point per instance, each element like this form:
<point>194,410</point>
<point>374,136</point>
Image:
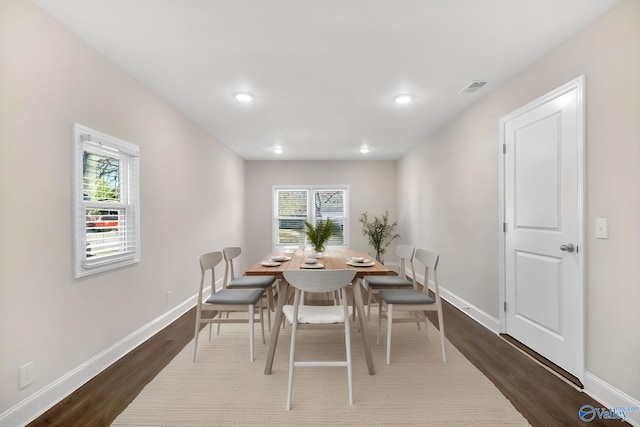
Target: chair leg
<point>292,348</point>
<point>426,326</point>
<point>442,340</point>
<point>418,321</point>
<point>251,309</point>
<point>218,328</point>
<point>369,299</point>
<point>389,326</point>
<point>269,305</point>
<point>379,323</point>
<point>262,322</point>
<point>197,332</point>
<point>353,308</point>
<point>347,343</point>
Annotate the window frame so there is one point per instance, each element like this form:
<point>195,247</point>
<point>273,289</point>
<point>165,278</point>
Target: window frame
<point>128,205</point>
<point>311,216</point>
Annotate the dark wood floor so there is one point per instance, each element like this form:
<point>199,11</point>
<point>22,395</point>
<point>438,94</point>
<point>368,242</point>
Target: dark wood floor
<point>542,397</point>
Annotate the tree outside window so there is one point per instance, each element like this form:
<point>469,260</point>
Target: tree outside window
<point>294,205</point>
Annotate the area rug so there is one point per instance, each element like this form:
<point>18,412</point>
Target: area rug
<point>223,388</point>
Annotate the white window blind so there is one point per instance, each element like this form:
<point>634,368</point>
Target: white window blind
<point>331,203</point>
<point>106,199</point>
<point>293,205</point>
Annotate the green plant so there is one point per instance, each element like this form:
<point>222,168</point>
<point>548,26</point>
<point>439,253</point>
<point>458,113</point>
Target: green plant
<point>321,233</point>
<point>380,232</point>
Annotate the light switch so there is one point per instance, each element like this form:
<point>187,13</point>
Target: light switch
<point>602,228</point>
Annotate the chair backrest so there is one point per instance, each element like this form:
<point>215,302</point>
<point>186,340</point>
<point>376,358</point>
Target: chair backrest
<point>406,254</point>
<point>430,262</point>
<point>229,254</point>
<point>208,261</point>
<point>319,280</point>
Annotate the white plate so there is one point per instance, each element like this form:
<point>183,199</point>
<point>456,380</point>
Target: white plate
<point>361,264</point>
<point>270,263</point>
<point>316,265</point>
<point>280,258</point>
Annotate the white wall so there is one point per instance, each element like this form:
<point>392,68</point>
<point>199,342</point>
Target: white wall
<point>194,188</point>
<point>192,201</point>
<point>449,189</point>
<point>372,186</point>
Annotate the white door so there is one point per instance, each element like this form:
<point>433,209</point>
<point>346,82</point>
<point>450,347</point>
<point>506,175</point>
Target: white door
<point>543,194</point>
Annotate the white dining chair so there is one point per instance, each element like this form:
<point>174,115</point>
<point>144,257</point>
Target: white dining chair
<point>374,283</point>
<point>414,301</point>
<point>225,300</point>
<point>318,281</point>
<point>230,281</point>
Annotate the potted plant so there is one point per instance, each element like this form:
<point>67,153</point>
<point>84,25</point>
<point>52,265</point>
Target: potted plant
<point>380,233</point>
<point>320,234</point>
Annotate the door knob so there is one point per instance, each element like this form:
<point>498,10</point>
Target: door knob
<point>568,247</point>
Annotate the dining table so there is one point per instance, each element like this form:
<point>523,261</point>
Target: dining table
<point>332,259</point>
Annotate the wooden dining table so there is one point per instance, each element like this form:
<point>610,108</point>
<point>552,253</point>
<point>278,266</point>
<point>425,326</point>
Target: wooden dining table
<point>333,259</point>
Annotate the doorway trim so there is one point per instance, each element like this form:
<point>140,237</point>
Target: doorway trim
<point>578,85</point>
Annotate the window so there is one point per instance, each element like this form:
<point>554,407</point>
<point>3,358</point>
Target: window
<point>293,205</point>
<point>106,202</point>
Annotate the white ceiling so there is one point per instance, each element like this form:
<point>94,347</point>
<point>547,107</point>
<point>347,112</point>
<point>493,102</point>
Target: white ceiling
<point>323,72</point>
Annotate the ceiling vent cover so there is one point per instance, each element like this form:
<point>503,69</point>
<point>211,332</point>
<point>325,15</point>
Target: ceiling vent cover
<point>473,87</point>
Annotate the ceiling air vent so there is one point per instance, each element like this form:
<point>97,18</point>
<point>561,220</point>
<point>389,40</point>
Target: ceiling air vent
<point>472,87</point>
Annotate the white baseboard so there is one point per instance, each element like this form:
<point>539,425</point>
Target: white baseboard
<point>466,307</point>
<point>32,407</point>
<point>611,397</point>
<point>480,316</point>
<point>35,405</point>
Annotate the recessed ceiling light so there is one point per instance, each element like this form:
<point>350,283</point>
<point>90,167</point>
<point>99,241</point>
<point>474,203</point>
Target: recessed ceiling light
<point>278,150</point>
<point>244,97</point>
<point>403,99</point>
<point>365,150</point>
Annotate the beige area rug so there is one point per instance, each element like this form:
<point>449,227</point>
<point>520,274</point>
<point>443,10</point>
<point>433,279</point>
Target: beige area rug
<point>223,388</point>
